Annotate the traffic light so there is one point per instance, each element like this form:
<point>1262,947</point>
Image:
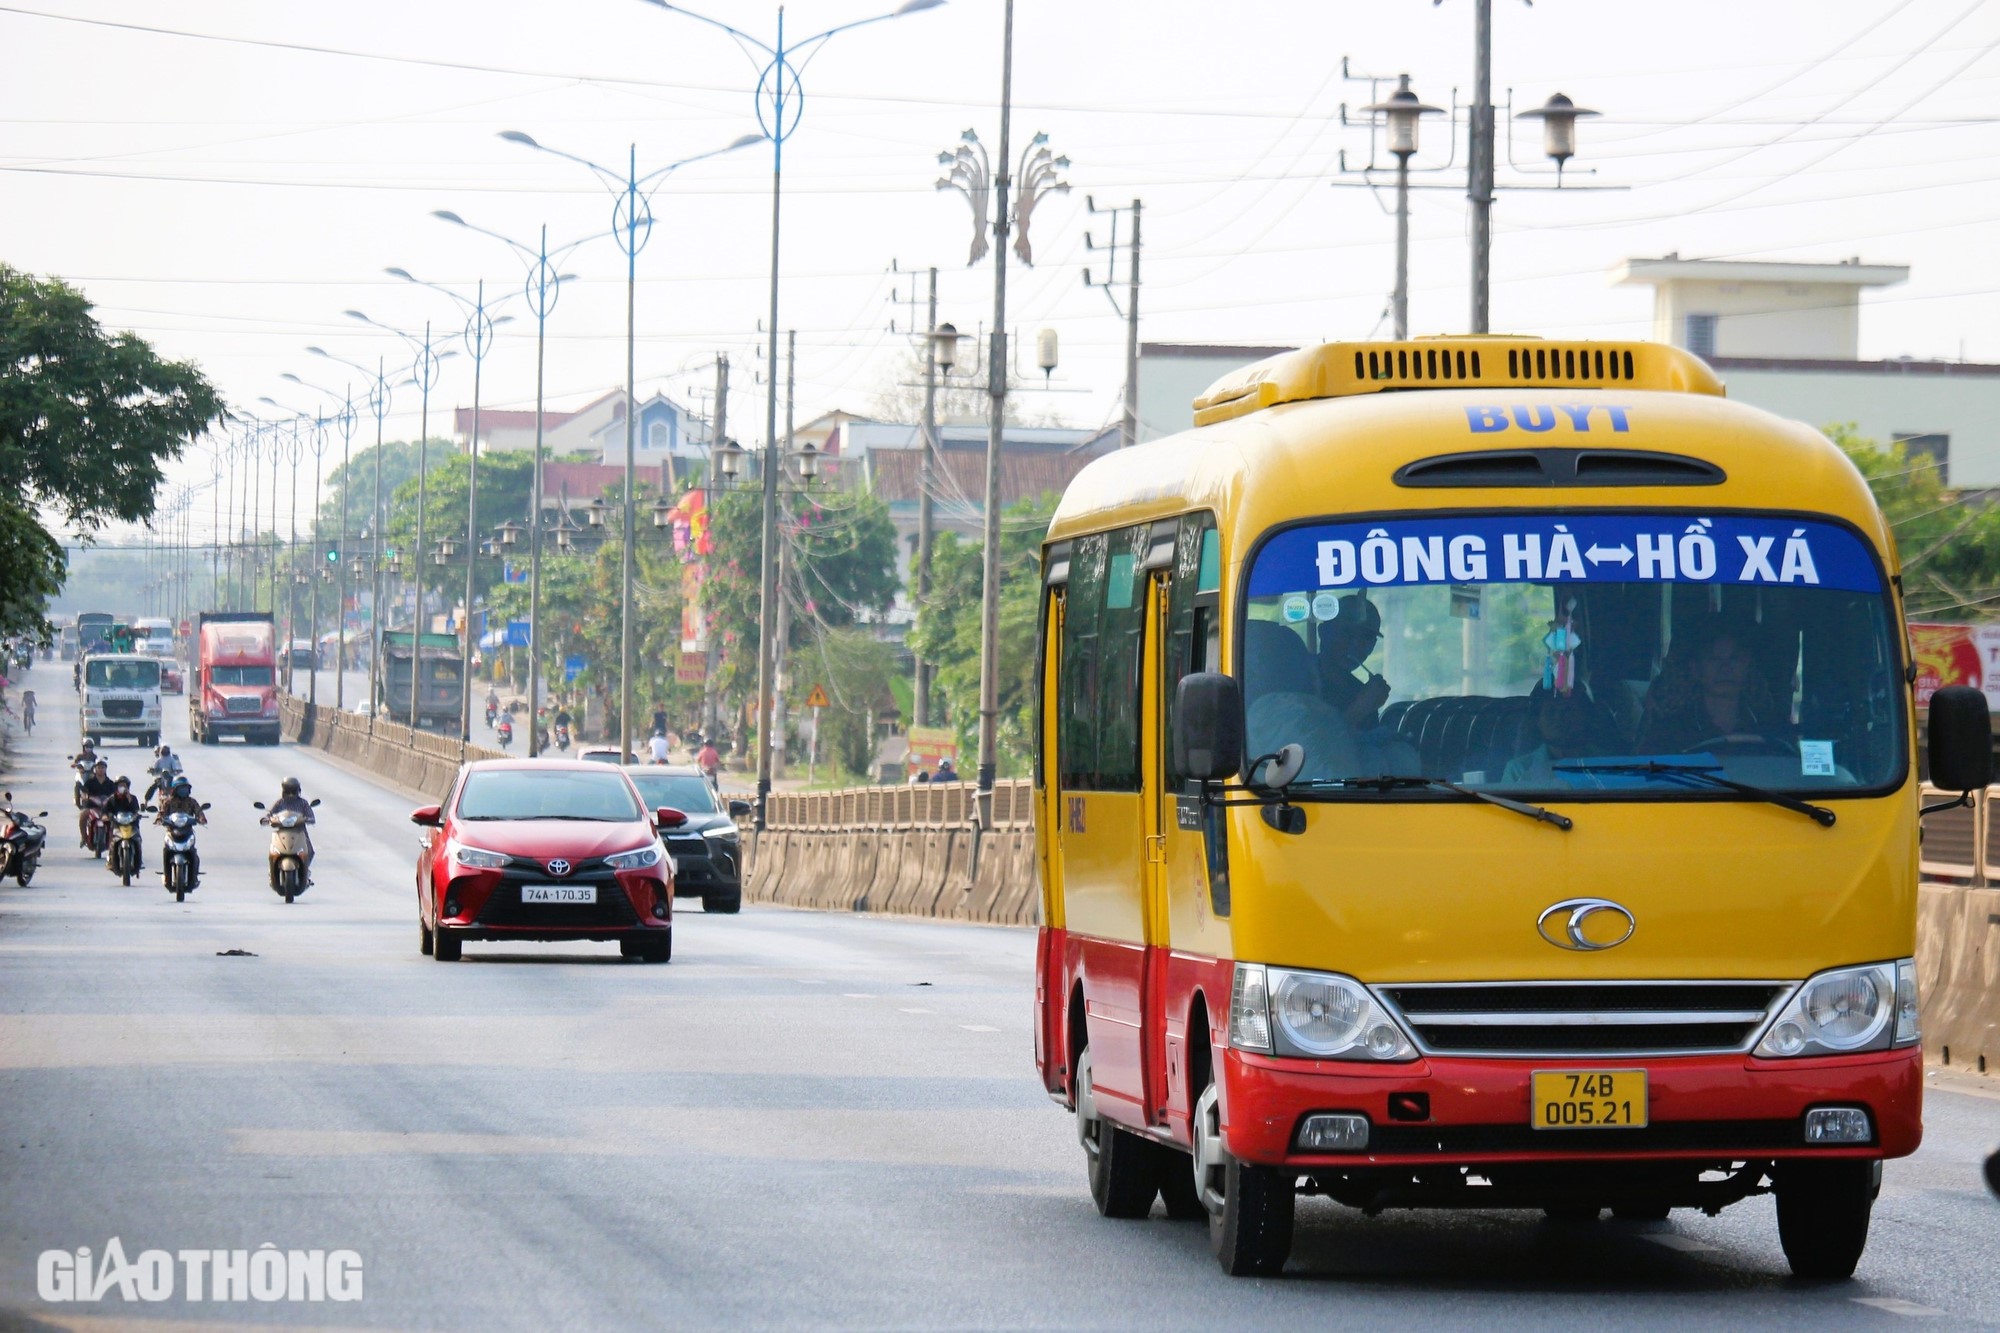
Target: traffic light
<point>333,555</point>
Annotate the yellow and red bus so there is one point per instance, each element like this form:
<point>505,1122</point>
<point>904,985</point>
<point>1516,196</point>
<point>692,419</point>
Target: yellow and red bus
<point>1480,773</point>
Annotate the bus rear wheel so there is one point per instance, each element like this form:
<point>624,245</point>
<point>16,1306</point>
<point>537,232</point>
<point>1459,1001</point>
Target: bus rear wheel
<point>1823,1212</point>
<point>1249,1207</point>
<point>1124,1169</point>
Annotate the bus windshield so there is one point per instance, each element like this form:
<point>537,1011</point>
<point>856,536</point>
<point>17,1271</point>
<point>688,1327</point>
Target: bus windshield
<point>1561,654</point>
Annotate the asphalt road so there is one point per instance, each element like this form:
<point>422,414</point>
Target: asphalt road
<point>805,1119</point>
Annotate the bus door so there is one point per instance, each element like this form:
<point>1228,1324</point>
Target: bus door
<point>1050,1056</point>
<point>1188,851</point>
<point>1102,825</point>
<point>1158,816</point>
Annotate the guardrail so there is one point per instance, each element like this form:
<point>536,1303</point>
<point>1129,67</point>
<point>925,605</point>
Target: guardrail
<point>418,760</point>
<point>912,851</point>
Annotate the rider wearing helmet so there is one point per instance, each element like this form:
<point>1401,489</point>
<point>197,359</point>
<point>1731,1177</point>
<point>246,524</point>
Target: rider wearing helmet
<point>92,793</point>
<point>180,800</point>
<point>123,802</point>
<point>165,768</point>
<point>293,799</point>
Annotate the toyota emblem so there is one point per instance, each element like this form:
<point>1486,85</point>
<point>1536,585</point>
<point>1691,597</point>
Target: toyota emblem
<point>1586,924</point>
<point>558,867</point>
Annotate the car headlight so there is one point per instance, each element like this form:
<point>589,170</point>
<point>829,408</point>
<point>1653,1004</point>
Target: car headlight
<point>1847,1009</point>
<point>1320,1015</point>
<point>475,859</point>
<point>726,833</point>
<point>636,859</point>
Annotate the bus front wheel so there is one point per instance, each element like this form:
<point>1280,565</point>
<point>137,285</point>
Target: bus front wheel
<point>1249,1207</point>
<point>1823,1212</point>
<point>1123,1168</point>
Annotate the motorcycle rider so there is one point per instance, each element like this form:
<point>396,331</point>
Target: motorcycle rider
<point>93,792</point>
<point>492,704</point>
<point>123,802</point>
<point>165,768</point>
<point>180,801</point>
<point>293,799</point>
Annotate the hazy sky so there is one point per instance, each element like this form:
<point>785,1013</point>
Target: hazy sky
<point>229,194</point>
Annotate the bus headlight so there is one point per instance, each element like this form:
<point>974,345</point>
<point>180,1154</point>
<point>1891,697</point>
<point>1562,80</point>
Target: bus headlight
<point>1320,1015</point>
<point>1844,1010</point>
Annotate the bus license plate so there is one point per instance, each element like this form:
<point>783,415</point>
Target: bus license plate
<point>558,893</point>
<point>1589,1099</point>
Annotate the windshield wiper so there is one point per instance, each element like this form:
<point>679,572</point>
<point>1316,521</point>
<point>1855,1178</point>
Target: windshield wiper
<point>1390,782</point>
<point>1708,773</point>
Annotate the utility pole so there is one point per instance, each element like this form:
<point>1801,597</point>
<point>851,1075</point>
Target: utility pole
<point>717,436</point>
<point>1128,434</point>
<point>1479,175</point>
<point>996,431</point>
<point>926,513</point>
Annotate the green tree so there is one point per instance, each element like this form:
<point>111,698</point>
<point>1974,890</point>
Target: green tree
<point>840,567</point>
<point>855,668</point>
<point>353,484</point>
<point>1950,547</point>
<point>947,632</point>
<point>504,486</point>
<point>88,420</point>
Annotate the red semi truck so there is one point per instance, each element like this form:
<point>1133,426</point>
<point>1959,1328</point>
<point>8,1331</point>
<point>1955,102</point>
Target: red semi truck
<point>234,691</point>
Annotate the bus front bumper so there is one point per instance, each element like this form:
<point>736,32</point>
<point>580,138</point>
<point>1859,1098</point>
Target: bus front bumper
<point>1435,1111</point>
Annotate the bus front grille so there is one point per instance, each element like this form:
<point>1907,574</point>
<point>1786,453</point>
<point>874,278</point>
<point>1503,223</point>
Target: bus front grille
<point>1586,1019</point>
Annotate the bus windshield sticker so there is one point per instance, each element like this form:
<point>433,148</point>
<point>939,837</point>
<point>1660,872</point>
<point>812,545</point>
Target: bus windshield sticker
<point>1816,759</point>
<point>1748,550</point>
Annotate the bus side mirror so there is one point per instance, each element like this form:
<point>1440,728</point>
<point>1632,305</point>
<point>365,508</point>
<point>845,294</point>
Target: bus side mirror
<point>1208,726</point>
<point>1961,742</point>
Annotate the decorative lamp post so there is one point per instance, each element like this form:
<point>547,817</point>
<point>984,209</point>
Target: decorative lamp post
<point>1402,112</point>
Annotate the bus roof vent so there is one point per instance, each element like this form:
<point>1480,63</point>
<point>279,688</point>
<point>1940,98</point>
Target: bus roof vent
<point>1560,467</point>
<point>1340,370</point>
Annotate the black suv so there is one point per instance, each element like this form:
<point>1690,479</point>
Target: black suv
<point>708,849</point>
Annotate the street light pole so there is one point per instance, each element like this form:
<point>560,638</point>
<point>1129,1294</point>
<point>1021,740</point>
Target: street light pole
<point>632,226</point>
<point>779,90</point>
<point>1479,182</point>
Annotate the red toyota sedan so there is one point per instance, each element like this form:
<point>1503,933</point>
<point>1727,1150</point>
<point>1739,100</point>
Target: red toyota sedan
<point>544,850</point>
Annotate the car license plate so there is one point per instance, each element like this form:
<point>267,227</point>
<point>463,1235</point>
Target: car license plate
<point>558,893</point>
<point>1589,1099</point>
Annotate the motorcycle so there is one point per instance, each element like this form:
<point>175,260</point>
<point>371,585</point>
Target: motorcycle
<point>177,854</point>
<point>505,731</point>
<point>95,828</point>
<point>123,859</point>
<point>492,711</point>
<point>562,735</point>
<point>21,839</point>
<point>288,851</point>
<point>82,766</point>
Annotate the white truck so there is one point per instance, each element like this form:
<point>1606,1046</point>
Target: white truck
<point>121,697</point>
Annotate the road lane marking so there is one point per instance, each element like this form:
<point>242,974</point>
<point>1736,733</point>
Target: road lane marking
<point>855,995</point>
<point>1685,1244</point>
<point>977,1027</point>
<point>913,1011</point>
<point>1897,1305</point>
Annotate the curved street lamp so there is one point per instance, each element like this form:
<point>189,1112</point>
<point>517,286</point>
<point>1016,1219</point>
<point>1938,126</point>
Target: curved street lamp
<point>780,103</point>
<point>632,224</point>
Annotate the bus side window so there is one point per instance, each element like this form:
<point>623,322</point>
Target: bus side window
<point>1104,625</point>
